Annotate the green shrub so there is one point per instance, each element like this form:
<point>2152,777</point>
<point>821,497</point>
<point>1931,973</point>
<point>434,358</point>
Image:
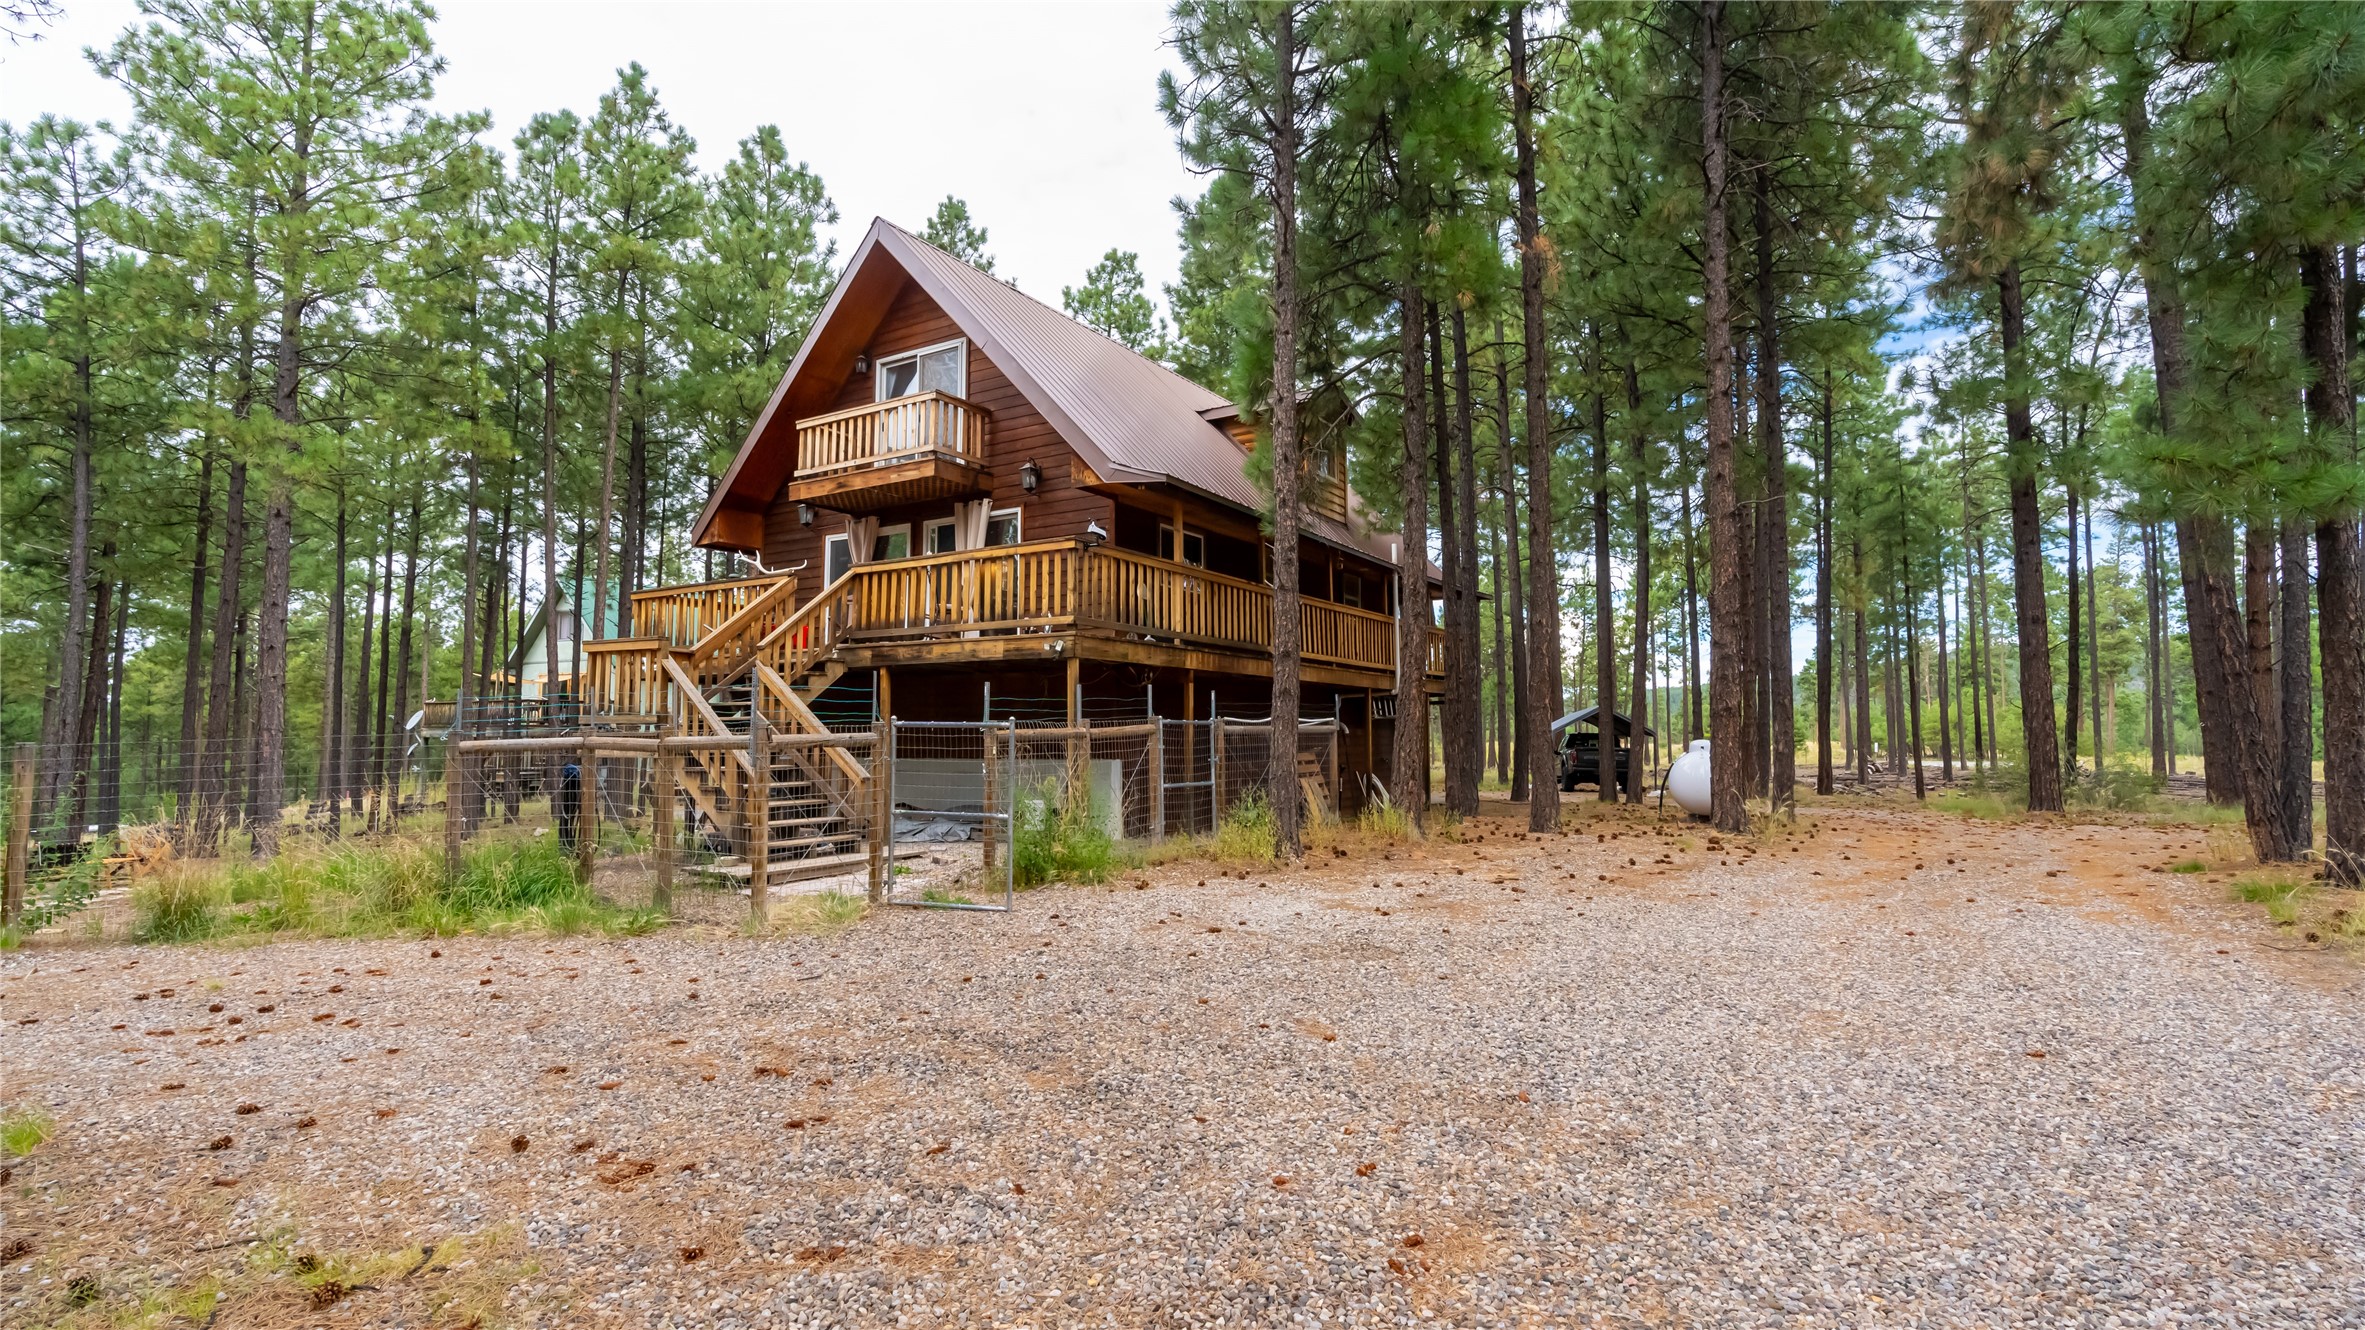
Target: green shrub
<point>23,1129</point>
<point>1245,835</point>
<point>1052,841</point>
<point>184,903</point>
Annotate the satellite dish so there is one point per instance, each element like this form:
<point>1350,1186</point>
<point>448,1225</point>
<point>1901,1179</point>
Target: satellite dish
<point>416,717</point>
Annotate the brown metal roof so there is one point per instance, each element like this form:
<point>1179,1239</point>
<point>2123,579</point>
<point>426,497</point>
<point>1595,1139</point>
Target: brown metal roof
<point>1132,420</point>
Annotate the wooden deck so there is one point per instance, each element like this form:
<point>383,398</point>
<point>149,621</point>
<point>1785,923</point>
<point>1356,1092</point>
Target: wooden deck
<point>1041,600</point>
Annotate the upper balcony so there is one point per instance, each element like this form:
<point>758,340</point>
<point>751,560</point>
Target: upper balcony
<point>921,448</point>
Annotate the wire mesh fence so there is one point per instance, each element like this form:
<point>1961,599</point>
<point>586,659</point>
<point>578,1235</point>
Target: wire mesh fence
<point>670,817</point>
<point>953,786</point>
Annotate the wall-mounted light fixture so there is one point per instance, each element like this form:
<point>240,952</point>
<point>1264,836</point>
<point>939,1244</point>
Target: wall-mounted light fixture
<point>1095,535</point>
<point>1029,475</point>
<point>861,363</point>
<point>804,514</point>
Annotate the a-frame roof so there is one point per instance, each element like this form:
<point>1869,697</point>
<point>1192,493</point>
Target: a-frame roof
<point>1130,419</point>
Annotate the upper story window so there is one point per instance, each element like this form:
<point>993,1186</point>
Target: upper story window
<point>939,369</point>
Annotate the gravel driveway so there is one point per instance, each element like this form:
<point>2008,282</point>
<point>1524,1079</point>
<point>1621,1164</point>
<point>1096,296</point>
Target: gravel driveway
<point>1893,1070</point>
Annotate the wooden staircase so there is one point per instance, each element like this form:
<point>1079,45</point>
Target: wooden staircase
<point>808,813</point>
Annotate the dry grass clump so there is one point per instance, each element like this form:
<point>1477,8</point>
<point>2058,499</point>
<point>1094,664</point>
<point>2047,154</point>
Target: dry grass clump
<point>377,890</point>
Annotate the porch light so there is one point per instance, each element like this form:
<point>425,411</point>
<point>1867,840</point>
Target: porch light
<point>861,363</point>
<point>804,514</point>
<point>1029,475</point>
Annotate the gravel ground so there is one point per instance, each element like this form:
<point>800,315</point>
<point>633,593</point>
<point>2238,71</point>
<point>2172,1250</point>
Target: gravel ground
<point>1891,1069</point>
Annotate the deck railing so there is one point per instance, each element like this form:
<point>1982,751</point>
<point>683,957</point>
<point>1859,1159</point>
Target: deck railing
<point>684,615</point>
<point>1060,585</point>
<point>906,429</point>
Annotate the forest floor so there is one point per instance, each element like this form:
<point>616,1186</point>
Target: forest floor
<point>1884,1067</point>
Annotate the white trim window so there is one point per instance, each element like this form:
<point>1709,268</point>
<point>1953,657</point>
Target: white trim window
<point>837,557</point>
<point>942,368</point>
<point>892,542</point>
<point>938,537</point>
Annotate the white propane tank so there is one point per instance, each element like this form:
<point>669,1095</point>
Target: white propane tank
<point>1687,780</point>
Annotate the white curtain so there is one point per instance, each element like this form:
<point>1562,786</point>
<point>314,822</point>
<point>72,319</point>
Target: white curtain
<point>969,521</point>
<point>861,535</point>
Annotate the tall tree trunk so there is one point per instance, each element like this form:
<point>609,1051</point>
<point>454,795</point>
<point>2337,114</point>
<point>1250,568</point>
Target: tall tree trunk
<point>2340,568</point>
<point>82,779</point>
<point>192,689</point>
<point>2297,685</point>
<point>332,718</point>
<point>2069,654</point>
<point>1605,617</point>
<point>1945,702</point>
<point>390,756</point>
<point>215,763</point>
<point>279,547</point>
<point>1543,590</point>
<point>2039,736</point>
<point>2093,631</point>
<point>1774,515</point>
<point>2156,713</point>
<point>1281,776</point>
<point>373,762</point>
<point>357,717</point>
<point>1409,768</point>
<point>1749,481</point>
<point>1500,667</point>
<point>1913,646</point>
<point>1824,664</point>
<point>549,480</point>
<point>1642,584</point>
<point>1695,726</point>
<point>464,688</point>
<point>111,772</point>
<point>1863,673</point>
<point>1449,545</point>
<point>1462,713</point>
<point>1728,622</point>
<point>1507,494</point>
<point>2198,537</point>
<point>2258,617</point>
<point>59,757</point>
<point>588,621</point>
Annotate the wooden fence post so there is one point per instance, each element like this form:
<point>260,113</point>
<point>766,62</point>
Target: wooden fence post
<point>20,834</point>
<point>1215,772</point>
<point>663,776</point>
<point>759,812</point>
<point>1157,760</point>
<point>586,813</point>
<point>992,760</point>
<point>455,783</point>
<point>882,808</point>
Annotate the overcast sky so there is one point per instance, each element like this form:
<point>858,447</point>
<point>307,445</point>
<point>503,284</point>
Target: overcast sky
<point>1044,117</point>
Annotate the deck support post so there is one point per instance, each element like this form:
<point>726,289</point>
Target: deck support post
<point>759,810</point>
<point>664,774</point>
<point>586,812</point>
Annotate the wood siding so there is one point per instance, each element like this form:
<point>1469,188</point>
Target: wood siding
<point>1019,433</point>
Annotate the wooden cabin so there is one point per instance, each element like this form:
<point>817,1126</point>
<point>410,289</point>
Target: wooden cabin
<point>959,493</point>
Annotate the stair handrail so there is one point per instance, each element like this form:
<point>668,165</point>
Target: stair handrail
<point>854,771</point>
<point>694,701</point>
<point>739,625</point>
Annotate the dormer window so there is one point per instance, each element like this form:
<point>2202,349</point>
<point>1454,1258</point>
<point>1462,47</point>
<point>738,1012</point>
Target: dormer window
<point>931,369</point>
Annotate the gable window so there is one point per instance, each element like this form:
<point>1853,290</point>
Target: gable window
<point>942,368</point>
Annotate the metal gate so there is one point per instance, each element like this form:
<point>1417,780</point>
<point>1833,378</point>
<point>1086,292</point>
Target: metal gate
<point>951,792</point>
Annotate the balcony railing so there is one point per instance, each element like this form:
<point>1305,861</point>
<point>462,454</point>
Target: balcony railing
<point>924,426</point>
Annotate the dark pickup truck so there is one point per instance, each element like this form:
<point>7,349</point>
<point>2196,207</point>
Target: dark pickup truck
<point>1580,760</point>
